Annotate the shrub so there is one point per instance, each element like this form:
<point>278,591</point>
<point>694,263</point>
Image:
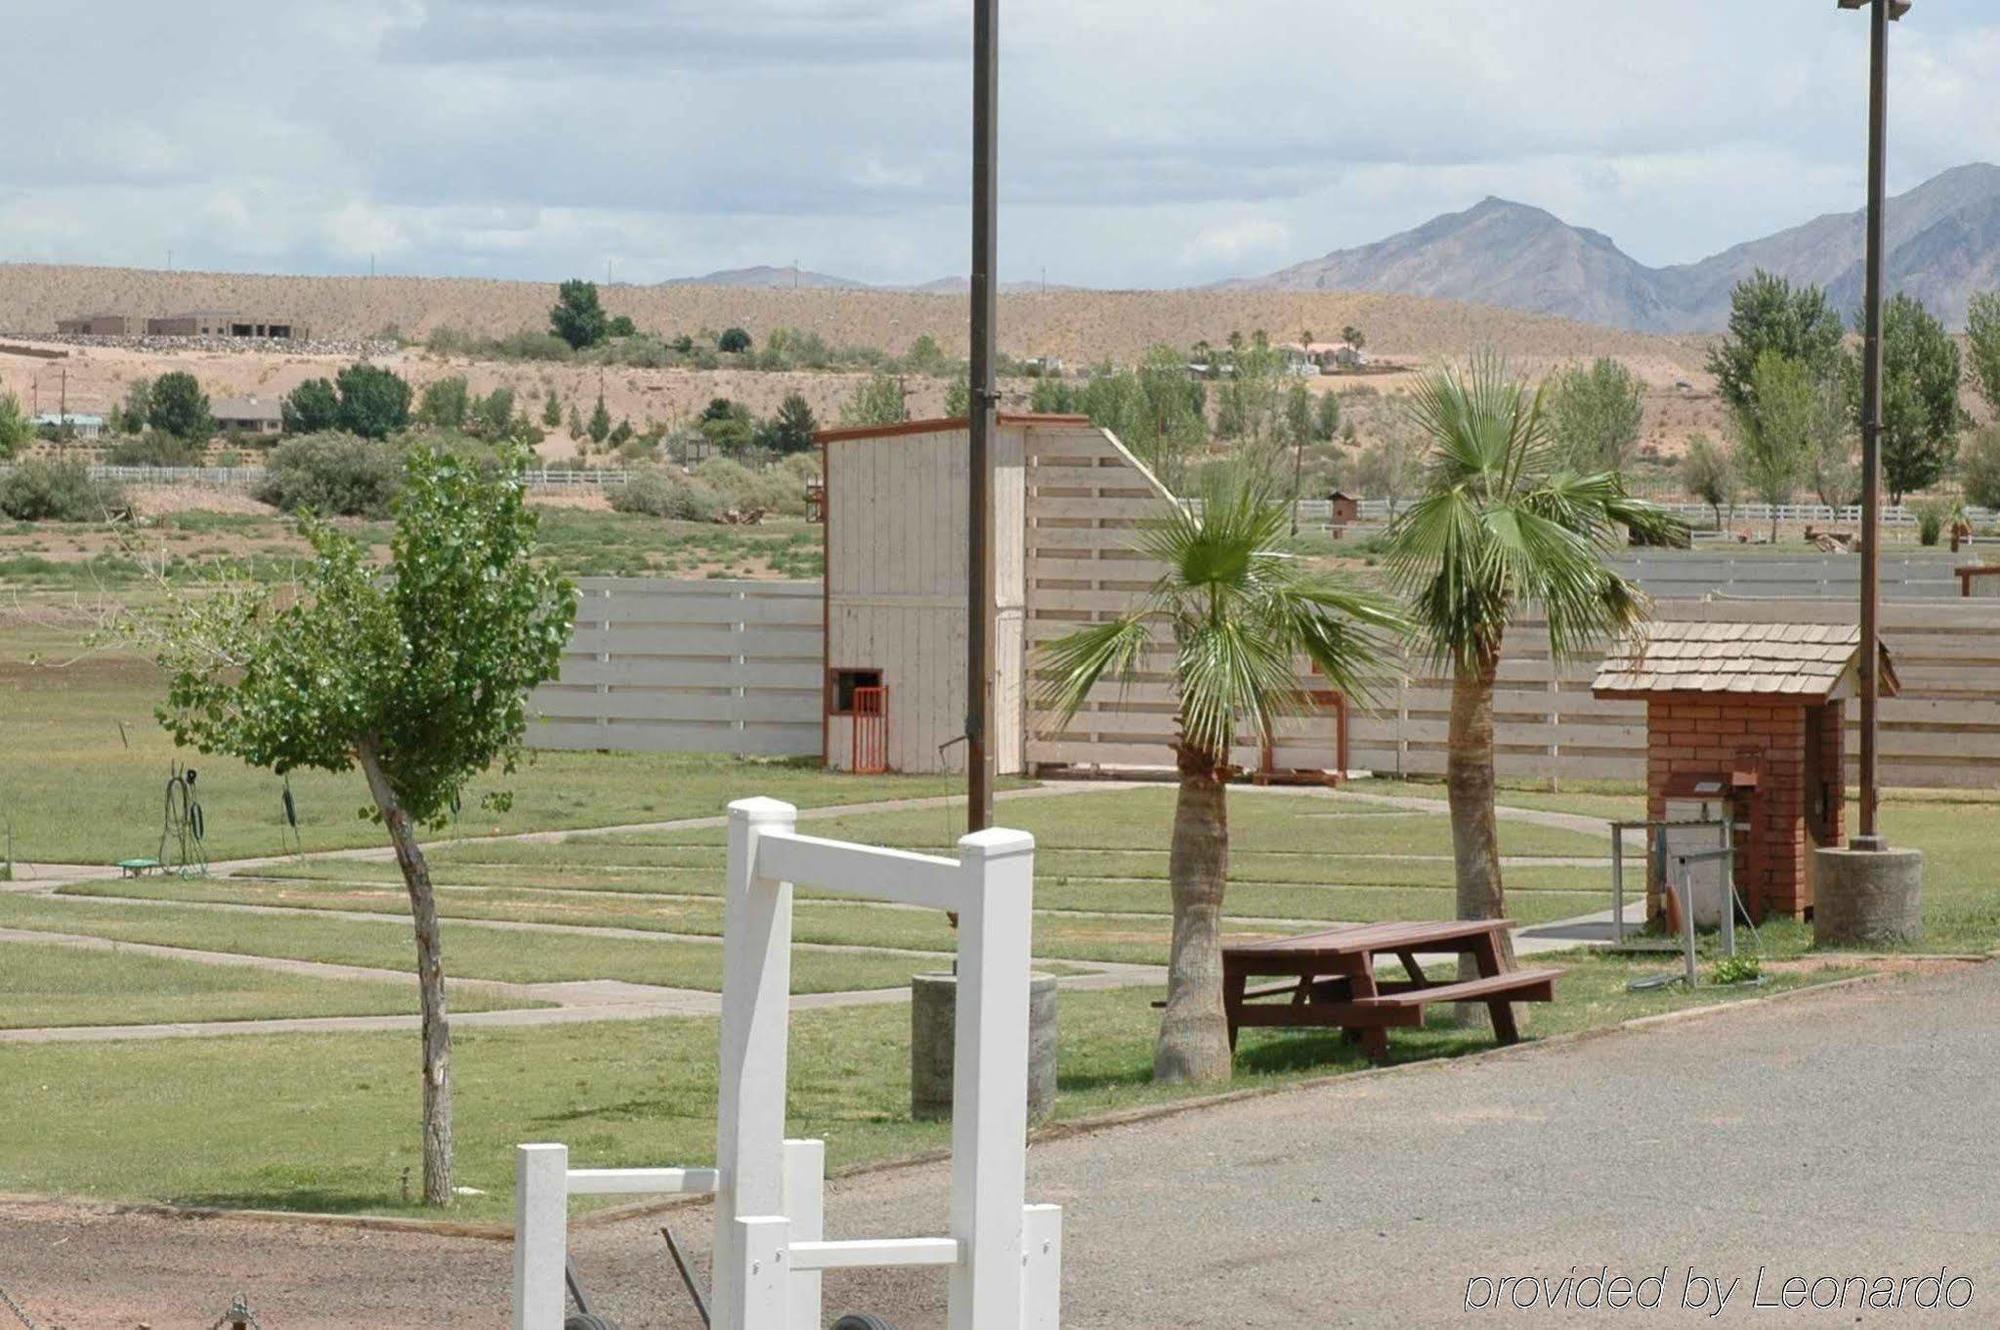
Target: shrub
<point>1930,525</point>
<point>332,474</point>
<point>157,448</point>
<point>660,493</point>
<point>1979,468</point>
<point>733,340</point>
<point>180,407</point>
<point>774,489</point>
<point>41,491</point>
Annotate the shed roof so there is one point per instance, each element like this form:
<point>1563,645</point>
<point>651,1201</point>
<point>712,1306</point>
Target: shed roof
<point>938,425</point>
<point>1809,662</point>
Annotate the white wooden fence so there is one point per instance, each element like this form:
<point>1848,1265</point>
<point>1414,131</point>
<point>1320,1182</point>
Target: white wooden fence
<point>695,667</point>
<point>1004,1257</point>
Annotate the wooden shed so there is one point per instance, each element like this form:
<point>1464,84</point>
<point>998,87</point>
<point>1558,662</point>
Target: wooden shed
<point>1746,720</point>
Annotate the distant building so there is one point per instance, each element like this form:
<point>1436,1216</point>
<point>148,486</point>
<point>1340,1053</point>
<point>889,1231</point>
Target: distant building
<point>247,415</point>
<point>222,323</point>
<point>79,426</point>
<point>95,325</point>
<point>1328,356</point>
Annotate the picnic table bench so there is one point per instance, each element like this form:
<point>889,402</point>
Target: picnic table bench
<point>1329,979</point>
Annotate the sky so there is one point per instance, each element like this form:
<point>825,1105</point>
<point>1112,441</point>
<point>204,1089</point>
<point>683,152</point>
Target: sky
<point>1144,143</point>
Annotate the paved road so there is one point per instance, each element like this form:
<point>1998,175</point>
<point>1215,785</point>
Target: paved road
<point>1847,1133</point>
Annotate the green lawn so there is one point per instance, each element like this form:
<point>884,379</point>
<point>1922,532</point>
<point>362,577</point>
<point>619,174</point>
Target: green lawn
<point>332,1124</point>
<point>470,951</point>
<point>49,985</point>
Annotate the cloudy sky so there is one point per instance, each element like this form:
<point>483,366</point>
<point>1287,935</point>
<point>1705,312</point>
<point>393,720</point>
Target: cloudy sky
<point>1144,142</point>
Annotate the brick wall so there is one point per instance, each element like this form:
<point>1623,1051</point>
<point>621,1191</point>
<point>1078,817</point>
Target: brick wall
<point>1701,734</point>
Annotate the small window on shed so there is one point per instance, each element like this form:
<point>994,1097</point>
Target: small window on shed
<point>844,684</point>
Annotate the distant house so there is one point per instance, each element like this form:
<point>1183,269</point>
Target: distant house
<point>247,415</point>
<point>222,323</point>
<point>77,426</point>
<point>1326,356</point>
<point>95,325</point>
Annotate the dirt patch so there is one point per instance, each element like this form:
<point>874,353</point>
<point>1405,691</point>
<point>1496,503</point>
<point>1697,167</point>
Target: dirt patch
<point>160,500</point>
<point>1889,964</point>
<point>592,501</point>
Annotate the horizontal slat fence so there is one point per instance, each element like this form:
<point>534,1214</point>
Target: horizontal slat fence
<point>697,667</point>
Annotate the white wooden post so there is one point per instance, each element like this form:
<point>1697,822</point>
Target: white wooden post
<point>1041,1267</point>
<point>757,1284</point>
<point>805,1207</point>
<point>541,1235</point>
<point>989,1130</point>
<point>750,1102</point>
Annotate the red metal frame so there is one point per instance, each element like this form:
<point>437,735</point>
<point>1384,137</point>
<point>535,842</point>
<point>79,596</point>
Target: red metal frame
<point>871,730</point>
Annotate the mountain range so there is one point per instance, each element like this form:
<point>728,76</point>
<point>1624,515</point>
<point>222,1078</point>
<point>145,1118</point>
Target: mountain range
<point>1943,248</point>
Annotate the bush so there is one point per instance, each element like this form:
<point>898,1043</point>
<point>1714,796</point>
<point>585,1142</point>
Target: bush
<point>1979,468</point>
<point>332,474</point>
<point>775,490</point>
<point>40,491</point>
<point>1930,526</point>
<point>157,448</point>
<point>660,493</point>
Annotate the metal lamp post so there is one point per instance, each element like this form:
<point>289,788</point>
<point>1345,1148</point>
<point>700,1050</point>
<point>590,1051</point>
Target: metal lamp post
<point>1882,12</point>
<point>984,410</point>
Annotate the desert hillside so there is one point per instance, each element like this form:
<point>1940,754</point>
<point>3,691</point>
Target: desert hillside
<point>1079,326</point>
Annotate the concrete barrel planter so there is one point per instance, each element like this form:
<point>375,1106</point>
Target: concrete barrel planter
<point>933,1008</point>
<point>1868,898</point>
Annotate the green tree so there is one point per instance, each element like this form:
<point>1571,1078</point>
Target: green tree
<point>1833,450</point>
<point>728,425</point>
<point>1326,418</point>
<point>16,430</point>
<point>621,325</point>
<point>577,316</point>
<point>599,428</point>
<point>1155,410</point>
<point>552,413</point>
<point>732,341</point>
<point>574,425</point>
<point>180,408</point>
<point>445,403</point>
<point>1595,415</point>
<point>1051,396</point>
<point>1767,313</point>
<point>1921,415</point>
<point>1980,468</point>
<point>492,416</point>
<point>418,674</point>
<point>1241,612</point>
<point>1388,466</point>
<point>374,400</point>
<point>1982,335</point>
<point>958,397</point>
<point>879,400</point>
<point>138,406</point>
<point>1354,337</point>
<point>1502,526</point>
<point>925,356</point>
<point>1709,474</point>
<point>311,408</point>
<point>791,428</point>
<point>1774,433</point>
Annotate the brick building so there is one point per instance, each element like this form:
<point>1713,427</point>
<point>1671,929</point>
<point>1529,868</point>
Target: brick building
<point>1748,717</point>
<point>95,325</point>
<point>222,323</point>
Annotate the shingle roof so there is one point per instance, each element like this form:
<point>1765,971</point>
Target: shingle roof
<point>1808,661</point>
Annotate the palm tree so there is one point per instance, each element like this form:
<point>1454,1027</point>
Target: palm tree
<point>1240,610</point>
<point>1502,527</point>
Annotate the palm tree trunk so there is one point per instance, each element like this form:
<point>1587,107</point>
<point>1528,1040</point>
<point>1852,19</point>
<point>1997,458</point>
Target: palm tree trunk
<point>430,980</point>
<point>1194,1035</point>
<point>1475,841</point>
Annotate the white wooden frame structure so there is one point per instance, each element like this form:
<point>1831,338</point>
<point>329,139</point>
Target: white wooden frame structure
<point>1005,1256</point>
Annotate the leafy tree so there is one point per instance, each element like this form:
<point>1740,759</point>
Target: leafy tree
<point>1775,431</point>
<point>1979,467</point>
<point>925,356</point>
<point>792,428</point>
<point>1056,396</point>
<point>16,430</point>
<point>374,400</point>
<point>39,490</point>
<point>1767,313</point>
<point>1388,466</point>
<point>492,416</point>
<point>1326,418</point>
<point>417,674</point>
<point>138,406</point>
<point>1595,415</point>
<point>958,397</point>
<point>1298,415</point>
<point>1240,611</point>
<point>1502,526</point>
<point>621,325</point>
<point>733,340</point>
<point>311,408</point>
<point>600,422</point>
<point>879,400</point>
<point>1921,416</point>
<point>1709,474</point>
<point>552,415</point>
<point>1155,410</point>
<point>728,425</point>
<point>577,317</point>
<point>179,407</point>
<point>1982,335</point>
<point>1833,450</point>
<point>622,434</point>
<point>445,403</point>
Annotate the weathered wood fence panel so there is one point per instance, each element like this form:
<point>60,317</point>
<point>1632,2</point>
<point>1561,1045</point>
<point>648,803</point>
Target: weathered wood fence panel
<point>696,667</point>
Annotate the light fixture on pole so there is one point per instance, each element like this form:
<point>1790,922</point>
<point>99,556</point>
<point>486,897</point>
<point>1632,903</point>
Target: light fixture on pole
<point>984,411</point>
<point>1882,12</point>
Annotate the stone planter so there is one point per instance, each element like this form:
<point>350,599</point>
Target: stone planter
<point>933,1023</point>
<point>1868,898</point>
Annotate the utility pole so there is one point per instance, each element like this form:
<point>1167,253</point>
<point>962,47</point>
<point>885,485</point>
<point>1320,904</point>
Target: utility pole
<point>985,416</point>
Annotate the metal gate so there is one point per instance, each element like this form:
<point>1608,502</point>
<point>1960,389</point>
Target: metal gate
<point>871,730</point>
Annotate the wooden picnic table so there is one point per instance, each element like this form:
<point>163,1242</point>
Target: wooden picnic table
<point>1329,979</point>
